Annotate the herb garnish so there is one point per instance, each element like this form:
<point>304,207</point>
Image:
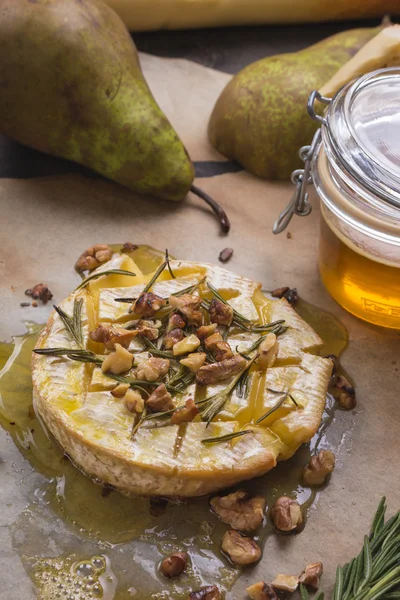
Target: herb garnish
<point>227,437</point>
<point>73,324</point>
<point>278,404</point>
<point>108,272</point>
<point>237,315</point>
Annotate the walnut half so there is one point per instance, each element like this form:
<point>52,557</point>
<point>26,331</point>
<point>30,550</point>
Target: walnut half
<point>286,514</point>
<point>241,550</point>
<point>311,575</point>
<point>93,257</point>
<point>221,370</point>
<point>160,400</point>
<point>319,467</point>
<point>240,510</point>
<point>261,591</point>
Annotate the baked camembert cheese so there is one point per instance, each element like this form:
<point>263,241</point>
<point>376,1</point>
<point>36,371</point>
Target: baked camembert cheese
<point>177,383</point>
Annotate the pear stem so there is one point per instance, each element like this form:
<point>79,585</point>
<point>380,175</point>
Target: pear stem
<point>217,209</point>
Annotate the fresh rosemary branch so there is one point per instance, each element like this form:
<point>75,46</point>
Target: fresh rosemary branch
<point>190,289</point>
<point>278,404</point>
<point>139,422</point>
<point>226,438</point>
<point>108,272</point>
<point>375,572</point>
<point>182,378</point>
<point>73,324</point>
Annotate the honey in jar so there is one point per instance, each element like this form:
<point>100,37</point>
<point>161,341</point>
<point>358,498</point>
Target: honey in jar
<point>354,163</point>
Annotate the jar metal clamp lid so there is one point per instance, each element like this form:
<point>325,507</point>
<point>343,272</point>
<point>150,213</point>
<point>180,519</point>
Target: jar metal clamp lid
<point>359,139</point>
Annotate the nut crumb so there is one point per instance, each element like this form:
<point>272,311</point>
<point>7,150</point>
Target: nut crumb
<point>34,304</point>
<point>39,292</point>
<point>129,247</point>
<point>174,564</point>
<point>24,304</point>
<point>289,235</point>
<point>210,592</point>
<point>225,255</point>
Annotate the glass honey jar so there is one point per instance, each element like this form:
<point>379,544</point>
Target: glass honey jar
<point>354,163</point>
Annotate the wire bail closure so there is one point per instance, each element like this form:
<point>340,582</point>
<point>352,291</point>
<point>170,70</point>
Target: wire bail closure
<point>299,204</point>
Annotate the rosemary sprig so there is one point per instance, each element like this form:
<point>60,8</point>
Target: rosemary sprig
<point>108,272</point>
<point>226,438</point>
<point>73,324</point>
<point>182,378</point>
<point>190,289</point>
<point>77,354</point>
<point>210,407</point>
<point>375,572</point>
<point>278,404</point>
<point>152,348</point>
<point>139,422</point>
<point>157,273</point>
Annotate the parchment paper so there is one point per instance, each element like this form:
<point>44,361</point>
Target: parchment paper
<point>47,222</point>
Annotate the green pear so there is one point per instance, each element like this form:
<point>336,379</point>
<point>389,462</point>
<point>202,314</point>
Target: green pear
<point>260,119</point>
<point>71,85</point>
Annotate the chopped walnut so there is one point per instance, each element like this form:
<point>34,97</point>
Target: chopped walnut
<point>213,339</point>
<point>311,575</point>
<point>189,306</point>
<point>194,361</point>
<point>173,337</point>
<point>109,336</point>
<point>210,592</point>
<point>261,591</point>
<point>174,564</point>
<point>319,467</point>
<point>120,390</point>
<point>225,254</point>
<point>93,257</point>
<point>286,583</point>
<point>219,371</point>
<point>185,414</point>
<point>222,350</point>
<point>147,329</point>
<point>186,346</point>
<point>220,313</point>
<point>205,331</point>
<point>286,514</point>
<point>347,394</point>
<point>240,510</point>
<point>40,292</point>
<point>268,352</point>
<point>134,401</point>
<point>118,361</point>
<point>152,369</point>
<point>176,321</point>
<point>285,292</point>
<point>129,247</point>
<point>240,549</point>
<point>280,292</point>
<point>160,400</point>
<point>147,304</point>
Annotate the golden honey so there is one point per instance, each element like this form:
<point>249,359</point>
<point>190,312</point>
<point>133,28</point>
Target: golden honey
<point>366,288</point>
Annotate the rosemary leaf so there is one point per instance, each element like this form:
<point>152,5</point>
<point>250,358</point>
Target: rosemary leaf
<point>74,354</point>
<point>125,300</point>
<point>379,518</point>
<point>139,422</point>
<point>278,404</point>
<point>152,348</point>
<point>319,596</point>
<point>108,272</point>
<point>304,592</point>
<point>190,289</point>
<point>72,324</point>
<point>168,264</point>
<point>226,438</point>
<point>338,589</point>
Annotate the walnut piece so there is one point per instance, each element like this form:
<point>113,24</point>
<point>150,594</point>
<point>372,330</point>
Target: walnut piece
<point>134,401</point>
<point>225,254</point>
<point>241,550</point>
<point>110,335</point>
<point>147,329</point>
<point>173,337</point>
<point>286,514</point>
<point>147,304</point>
<point>185,414</point>
<point>118,361</point>
<point>347,394</point>
<point>220,313</point>
<point>160,400</point>
<point>93,257</point>
<point>213,339</point>
<point>194,361</point>
<point>261,591</point>
<point>40,291</point>
<point>152,369</point>
<point>174,564</point>
<point>186,346</point>
<point>189,306</point>
<point>205,331</point>
<point>220,371</point>
<point>319,467</point>
<point>286,583</point>
<point>176,321</point>
<point>120,390</point>
<point>210,592</point>
<point>311,575</point>
<point>129,247</point>
<point>218,346</point>
<point>240,510</point>
<point>268,352</point>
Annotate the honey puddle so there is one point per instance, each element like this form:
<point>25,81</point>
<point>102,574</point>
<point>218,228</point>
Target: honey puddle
<point>79,541</point>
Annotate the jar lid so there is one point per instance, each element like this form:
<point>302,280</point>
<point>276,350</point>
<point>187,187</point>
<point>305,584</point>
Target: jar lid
<point>362,133</point>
